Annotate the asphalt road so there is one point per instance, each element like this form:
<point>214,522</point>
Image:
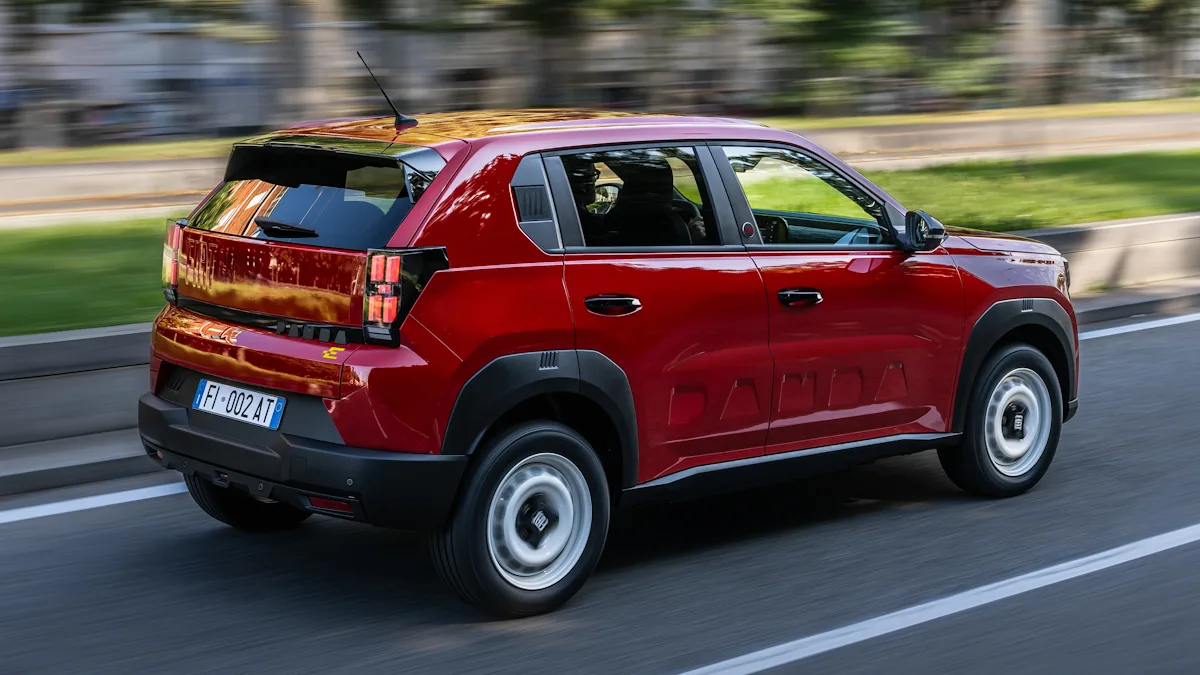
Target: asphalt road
<point>156,587</point>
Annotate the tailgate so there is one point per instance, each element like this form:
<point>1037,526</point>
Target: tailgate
<point>272,279</point>
<point>249,355</point>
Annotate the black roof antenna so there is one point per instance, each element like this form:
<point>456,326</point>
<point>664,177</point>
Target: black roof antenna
<point>402,121</point>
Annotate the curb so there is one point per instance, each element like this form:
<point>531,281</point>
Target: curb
<point>1124,310</point>
<point>72,461</point>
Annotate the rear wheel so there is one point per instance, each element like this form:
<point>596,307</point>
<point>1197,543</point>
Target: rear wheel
<point>530,525</point>
<point>1014,418</point>
<point>241,510</point>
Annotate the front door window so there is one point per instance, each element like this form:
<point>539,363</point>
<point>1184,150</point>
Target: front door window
<point>799,201</point>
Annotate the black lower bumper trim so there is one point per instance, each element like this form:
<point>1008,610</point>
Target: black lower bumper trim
<point>391,489</point>
<point>1072,408</point>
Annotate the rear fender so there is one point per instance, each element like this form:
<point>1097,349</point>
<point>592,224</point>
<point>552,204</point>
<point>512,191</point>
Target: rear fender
<point>510,380</point>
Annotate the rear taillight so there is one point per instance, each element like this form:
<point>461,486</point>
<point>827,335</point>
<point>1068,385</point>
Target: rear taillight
<point>394,280</point>
<point>170,266</point>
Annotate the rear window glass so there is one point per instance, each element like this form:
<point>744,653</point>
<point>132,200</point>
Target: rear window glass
<point>319,198</point>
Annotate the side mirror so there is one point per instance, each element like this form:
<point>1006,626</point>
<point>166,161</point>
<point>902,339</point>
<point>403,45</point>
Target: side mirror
<point>607,193</point>
<point>922,231</point>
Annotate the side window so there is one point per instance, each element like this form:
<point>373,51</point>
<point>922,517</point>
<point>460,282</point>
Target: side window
<point>798,200</point>
<point>641,197</point>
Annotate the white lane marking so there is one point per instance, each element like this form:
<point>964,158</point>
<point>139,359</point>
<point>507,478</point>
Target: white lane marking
<point>93,502</point>
<point>1135,327</point>
<point>790,652</point>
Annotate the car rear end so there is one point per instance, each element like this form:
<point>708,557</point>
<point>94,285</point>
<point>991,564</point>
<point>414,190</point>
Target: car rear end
<point>287,269</point>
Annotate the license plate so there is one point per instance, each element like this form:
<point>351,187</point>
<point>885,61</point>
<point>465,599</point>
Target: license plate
<point>240,404</point>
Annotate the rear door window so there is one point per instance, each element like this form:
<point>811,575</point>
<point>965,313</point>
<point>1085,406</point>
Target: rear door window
<point>641,197</point>
<point>318,198</point>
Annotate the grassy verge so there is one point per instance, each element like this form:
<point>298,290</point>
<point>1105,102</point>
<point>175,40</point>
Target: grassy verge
<point>1050,192</point>
<point>81,276</point>
<point>119,153</point>
<point>220,147</point>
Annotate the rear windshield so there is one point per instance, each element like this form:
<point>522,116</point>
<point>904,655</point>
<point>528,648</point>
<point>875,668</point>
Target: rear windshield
<point>316,197</point>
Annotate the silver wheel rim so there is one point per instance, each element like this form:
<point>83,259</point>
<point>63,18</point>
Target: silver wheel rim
<point>533,551</point>
<point>1017,425</point>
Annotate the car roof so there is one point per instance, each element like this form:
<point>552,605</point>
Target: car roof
<point>437,128</point>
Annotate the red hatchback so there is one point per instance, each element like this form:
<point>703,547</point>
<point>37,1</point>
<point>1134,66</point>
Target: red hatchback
<point>497,327</point>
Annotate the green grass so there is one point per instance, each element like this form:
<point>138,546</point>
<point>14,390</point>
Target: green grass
<point>93,275</point>
<point>220,147</point>
<point>119,153</point>
<point>80,276</point>
<point>1050,192</point>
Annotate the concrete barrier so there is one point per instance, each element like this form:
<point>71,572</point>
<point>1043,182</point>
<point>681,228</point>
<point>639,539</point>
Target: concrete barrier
<point>1127,252</point>
<point>74,351</point>
<point>1015,134</point>
<point>67,182</point>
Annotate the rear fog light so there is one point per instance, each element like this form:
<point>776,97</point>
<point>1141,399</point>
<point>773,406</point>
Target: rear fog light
<point>330,505</point>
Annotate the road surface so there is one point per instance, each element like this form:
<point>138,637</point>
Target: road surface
<point>154,586</point>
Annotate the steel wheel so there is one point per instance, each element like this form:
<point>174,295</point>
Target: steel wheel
<point>1017,422</point>
<point>538,521</point>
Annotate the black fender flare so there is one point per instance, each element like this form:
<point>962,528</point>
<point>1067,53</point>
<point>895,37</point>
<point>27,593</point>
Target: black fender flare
<point>998,320</point>
<point>509,380</point>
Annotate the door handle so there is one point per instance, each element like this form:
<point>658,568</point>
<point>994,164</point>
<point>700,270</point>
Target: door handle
<point>612,305</point>
<point>800,297</point>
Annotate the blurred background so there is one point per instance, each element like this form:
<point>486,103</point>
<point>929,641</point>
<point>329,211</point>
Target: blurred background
<point>99,71</point>
<point>1073,122</point>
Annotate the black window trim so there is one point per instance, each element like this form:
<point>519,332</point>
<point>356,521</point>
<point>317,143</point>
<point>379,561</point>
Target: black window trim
<point>741,205</point>
<point>571,231</point>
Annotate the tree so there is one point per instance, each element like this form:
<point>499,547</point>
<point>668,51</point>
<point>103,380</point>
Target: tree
<point>1163,27</point>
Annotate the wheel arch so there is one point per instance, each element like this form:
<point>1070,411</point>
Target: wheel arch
<point>581,388</point>
<point>1039,322</point>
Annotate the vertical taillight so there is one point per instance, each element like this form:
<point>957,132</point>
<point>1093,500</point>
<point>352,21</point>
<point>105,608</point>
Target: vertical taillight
<point>394,280</point>
<point>170,266</point>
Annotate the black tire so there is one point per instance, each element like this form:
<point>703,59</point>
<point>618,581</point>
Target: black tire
<point>461,552</point>
<point>242,511</point>
<point>970,465</point>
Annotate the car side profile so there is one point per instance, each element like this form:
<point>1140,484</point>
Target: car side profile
<point>497,327</point>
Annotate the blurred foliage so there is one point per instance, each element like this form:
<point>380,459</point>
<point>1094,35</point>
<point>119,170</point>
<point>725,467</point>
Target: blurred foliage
<point>834,56</point>
<point>226,19</point>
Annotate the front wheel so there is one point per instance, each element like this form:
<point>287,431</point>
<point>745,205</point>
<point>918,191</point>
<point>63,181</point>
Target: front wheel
<point>530,525</point>
<point>1014,417</point>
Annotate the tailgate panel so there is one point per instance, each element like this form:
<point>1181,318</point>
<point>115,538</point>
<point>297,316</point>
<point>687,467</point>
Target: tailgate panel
<point>272,278</point>
<point>249,355</point>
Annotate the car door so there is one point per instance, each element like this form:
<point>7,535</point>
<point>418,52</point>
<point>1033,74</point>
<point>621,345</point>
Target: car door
<point>865,337</point>
<point>659,282</point>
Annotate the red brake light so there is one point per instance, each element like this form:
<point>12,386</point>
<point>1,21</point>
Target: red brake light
<point>377,267</point>
<point>374,308</point>
<point>330,505</point>
<point>393,269</point>
<point>394,280</point>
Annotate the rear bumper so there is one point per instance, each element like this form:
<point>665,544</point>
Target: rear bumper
<point>390,489</point>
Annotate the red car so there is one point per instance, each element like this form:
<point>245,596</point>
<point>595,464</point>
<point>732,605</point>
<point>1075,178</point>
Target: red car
<point>497,327</point>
